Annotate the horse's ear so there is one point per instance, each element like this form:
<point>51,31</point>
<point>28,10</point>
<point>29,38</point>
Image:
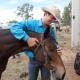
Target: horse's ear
<point>47,32</point>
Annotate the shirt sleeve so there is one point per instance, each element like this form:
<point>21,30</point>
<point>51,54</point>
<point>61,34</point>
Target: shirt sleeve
<point>54,35</point>
<point>17,30</point>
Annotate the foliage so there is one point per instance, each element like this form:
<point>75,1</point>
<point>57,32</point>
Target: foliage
<point>10,23</point>
<point>1,25</point>
<point>24,11</point>
<point>66,16</point>
<point>13,21</point>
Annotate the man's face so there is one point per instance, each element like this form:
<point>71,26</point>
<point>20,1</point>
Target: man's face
<point>49,18</point>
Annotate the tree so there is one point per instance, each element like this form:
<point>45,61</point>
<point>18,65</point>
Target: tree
<point>13,21</point>
<point>66,17</point>
<point>24,11</point>
<point>10,23</point>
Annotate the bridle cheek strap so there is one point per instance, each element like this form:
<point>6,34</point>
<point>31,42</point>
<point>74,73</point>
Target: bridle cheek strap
<point>46,59</point>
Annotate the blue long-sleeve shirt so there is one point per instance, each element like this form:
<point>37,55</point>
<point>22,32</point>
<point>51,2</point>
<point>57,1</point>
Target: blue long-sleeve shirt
<point>17,30</point>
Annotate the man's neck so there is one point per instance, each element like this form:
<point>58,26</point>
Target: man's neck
<point>44,23</point>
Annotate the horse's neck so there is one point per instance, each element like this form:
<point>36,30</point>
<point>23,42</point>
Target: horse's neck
<point>34,34</point>
<point>11,45</point>
<point>24,46</point>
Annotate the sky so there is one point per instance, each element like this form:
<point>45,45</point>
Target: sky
<point>8,7</point>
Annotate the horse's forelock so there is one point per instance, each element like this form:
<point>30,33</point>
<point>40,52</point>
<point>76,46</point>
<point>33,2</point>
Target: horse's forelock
<point>47,32</point>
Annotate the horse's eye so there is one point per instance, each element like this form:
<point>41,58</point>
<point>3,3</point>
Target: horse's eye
<point>51,48</point>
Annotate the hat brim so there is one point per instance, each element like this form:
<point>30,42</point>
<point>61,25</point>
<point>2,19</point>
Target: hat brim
<point>48,10</point>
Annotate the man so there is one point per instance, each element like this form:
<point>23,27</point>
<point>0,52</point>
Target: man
<point>50,15</point>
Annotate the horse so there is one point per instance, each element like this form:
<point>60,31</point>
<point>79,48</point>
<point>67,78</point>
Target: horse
<point>45,53</point>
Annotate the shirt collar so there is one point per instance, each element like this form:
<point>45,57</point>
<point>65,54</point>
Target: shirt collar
<point>40,23</point>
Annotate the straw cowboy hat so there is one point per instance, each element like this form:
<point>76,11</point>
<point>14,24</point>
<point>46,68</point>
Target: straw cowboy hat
<point>54,11</point>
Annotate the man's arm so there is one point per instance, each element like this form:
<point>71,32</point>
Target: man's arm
<point>18,31</point>
<point>59,51</point>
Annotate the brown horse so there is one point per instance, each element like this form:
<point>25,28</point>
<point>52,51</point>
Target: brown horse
<point>45,53</point>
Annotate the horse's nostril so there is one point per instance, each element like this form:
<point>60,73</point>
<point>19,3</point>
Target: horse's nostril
<point>56,75</point>
<point>63,76</point>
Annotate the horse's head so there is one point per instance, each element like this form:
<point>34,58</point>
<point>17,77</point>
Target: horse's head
<point>46,54</point>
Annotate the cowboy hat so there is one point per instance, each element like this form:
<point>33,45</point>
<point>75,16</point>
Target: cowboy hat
<point>54,11</point>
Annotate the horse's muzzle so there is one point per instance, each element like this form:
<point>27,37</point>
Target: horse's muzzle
<point>57,75</point>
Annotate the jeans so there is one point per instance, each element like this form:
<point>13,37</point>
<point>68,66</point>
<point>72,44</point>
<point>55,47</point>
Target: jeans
<point>33,70</point>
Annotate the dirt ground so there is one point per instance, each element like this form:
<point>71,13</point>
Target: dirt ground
<point>17,68</point>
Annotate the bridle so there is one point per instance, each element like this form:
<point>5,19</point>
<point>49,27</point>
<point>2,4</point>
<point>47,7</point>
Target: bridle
<point>42,44</point>
<point>46,62</point>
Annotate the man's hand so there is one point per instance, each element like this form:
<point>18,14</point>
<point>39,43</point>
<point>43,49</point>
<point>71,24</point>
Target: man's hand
<point>59,50</point>
<point>32,42</point>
